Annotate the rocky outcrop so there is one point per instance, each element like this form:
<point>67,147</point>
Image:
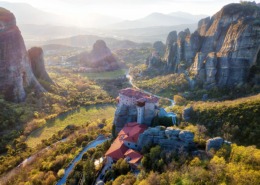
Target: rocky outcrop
<point>155,60</point>
<point>100,58</point>
<point>214,143</point>
<point>124,114</point>
<point>38,66</point>
<point>222,50</point>
<point>169,138</point>
<point>15,68</point>
<point>171,52</point>
<point>159,47</point>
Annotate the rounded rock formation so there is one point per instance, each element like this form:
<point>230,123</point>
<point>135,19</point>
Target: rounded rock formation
<point>102,58</point>
<point>38,66</point>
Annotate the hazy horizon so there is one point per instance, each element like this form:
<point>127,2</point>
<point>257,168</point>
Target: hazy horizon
<point>127,10</point>
<point>107,18</point>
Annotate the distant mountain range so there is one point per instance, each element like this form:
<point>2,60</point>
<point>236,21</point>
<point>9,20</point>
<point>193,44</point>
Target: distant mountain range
<point>151,34</point>
<point>38,26</point>
<point>27,14</point>
<point>85,41</point>
<point>159,19</point>
<point>39,34</point>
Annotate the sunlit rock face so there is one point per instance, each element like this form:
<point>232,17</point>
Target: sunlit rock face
<point>38,66</point>
<point>102,58</point>
<point>222,51</point>
<point>15,68</point>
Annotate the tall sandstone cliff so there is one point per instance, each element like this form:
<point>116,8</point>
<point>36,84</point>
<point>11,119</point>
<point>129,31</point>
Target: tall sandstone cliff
<point>223,51</point>
<point>38,67</point>
<point>15,68</point>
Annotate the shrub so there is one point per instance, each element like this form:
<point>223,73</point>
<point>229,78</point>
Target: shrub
<point>60,173</point>
<point>179,100</point>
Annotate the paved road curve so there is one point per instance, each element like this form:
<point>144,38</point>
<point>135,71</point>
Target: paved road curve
<point>93,144</point>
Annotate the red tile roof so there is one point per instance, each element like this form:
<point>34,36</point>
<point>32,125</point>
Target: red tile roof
<point>134,156</point>
<point>130,133</point>
<point>117,149</point>
<point>138,95</point>
<point>135,161</point>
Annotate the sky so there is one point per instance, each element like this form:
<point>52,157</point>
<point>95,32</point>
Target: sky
<point>127,9</point>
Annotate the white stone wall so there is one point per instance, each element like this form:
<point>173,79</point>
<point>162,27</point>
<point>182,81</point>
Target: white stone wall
<point>126,100</point>
<point>150,106</point>
<point>140,115</point>
<point>149,113</point>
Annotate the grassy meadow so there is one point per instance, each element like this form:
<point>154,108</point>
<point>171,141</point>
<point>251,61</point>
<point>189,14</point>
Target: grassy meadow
<point>104,75</point>
<point>81,116</point>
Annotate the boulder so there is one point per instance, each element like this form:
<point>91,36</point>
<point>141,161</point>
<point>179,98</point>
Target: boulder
<point>171,132</point>
<point>214,143</point>
<point>144,140</point>
<point>169,138</point>
<point>186,136</point>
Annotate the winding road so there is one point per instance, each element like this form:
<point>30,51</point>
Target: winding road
<point>130,78</point>
<point>101,139</point>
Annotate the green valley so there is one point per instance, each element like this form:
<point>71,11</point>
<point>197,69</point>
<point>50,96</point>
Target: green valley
<point>85,100</point>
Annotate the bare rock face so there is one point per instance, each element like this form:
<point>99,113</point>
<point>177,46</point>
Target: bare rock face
<point>124,114</point>
<point>168,138</point>
<point>38,67</point>
<point>15,68</point>
<point>214,143</point>
<point>159,47</point>
<point>222,51</point>
<point>171,51</point>
<point>155,59</point>
<point>101,57</point>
